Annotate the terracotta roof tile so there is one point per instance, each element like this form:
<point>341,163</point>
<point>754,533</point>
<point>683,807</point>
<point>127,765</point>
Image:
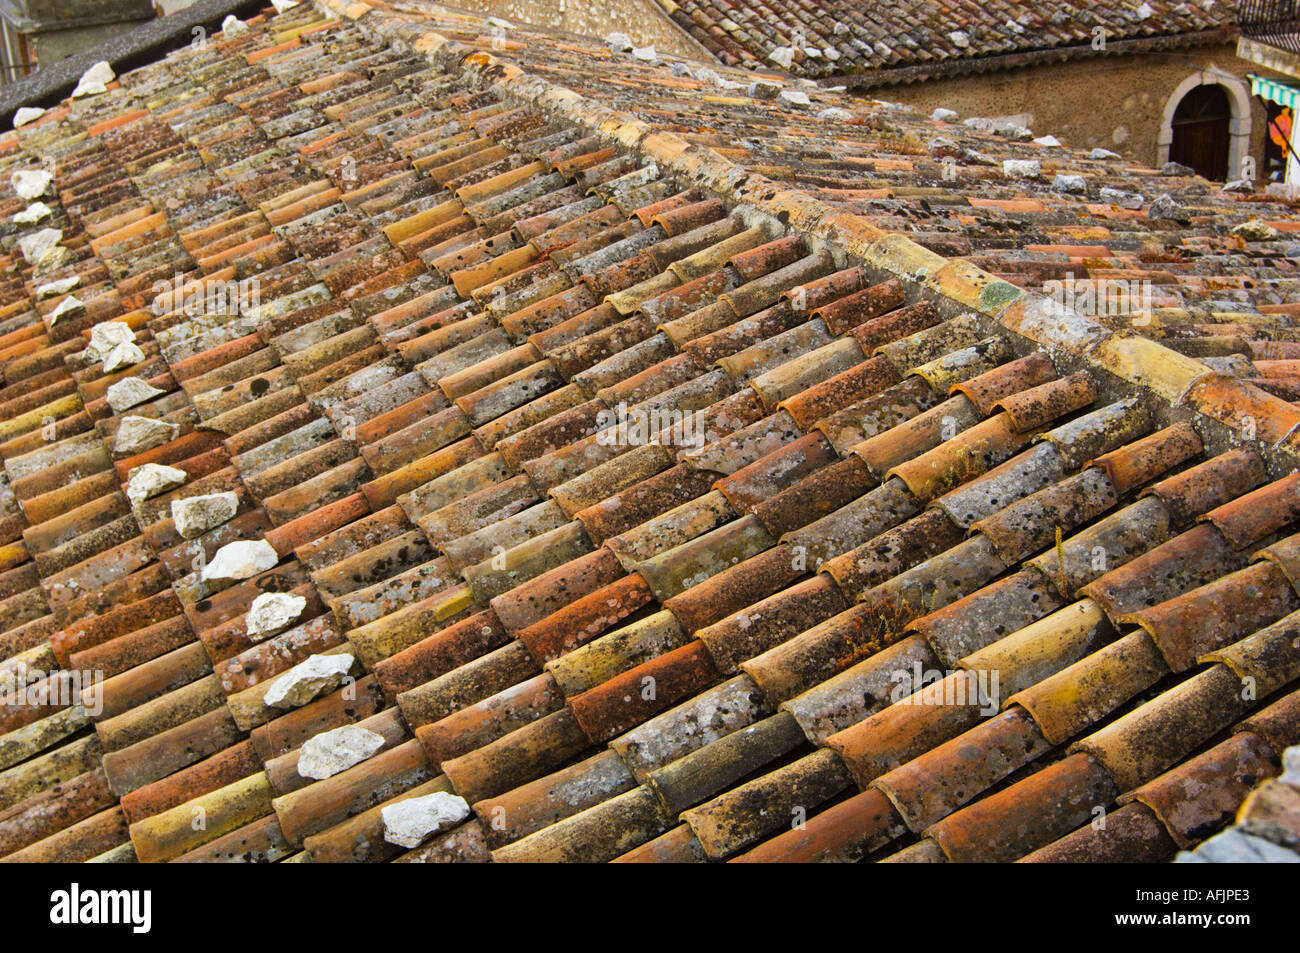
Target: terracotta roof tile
<point>1133,834</point>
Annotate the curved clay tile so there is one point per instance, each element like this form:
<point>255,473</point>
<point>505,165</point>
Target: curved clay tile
<point>1140,745</point>
<point>925,345</point>
<point>609,369</point>
<point>764,291</point>
<point>1100,431</point>
<point>808,297</point>
<point>487,720</point>
<point>1133,834</point>
<point>642,386</point>
<point>779,470</point>
<point>259,663</point>
<point>806,371</point>
<point>484,676</point>
<point>970,452</point>
<point>1185,562</point>
<point>715,713</point>
<point>645,690</point>
<point>382,636</point>
<point>521,756</point>
<point>709,769</point>
<point>1027,815</point>
<point>639,640</point>
<point>1024,373</point>
<point>710,261</point>
<point>691,562</point>
<point>552,322</point>
<point>647,212</point>
<point>734,588</point>
<point>555,568</point>
<point>823,397</point>
<point>687,218</point>
<point>793,666</point>
<point>843,833</point>
<point>1141,461</point>
<point>320,805</point>
<point>1042,648</point>
<point>912,437</point>
<point>850,307</point>
<point>860,690</point>
<point>759,260</point>
<point>610,477</point>
<point>1027,526</point>
<point>1286,555</point>
<point>551,434</point>
<point>441,652</point>
<point>1112,541</point>
<point>599,834</point>
<point>1197,622</point>
<point>360,839</point>
<point>1271,418</point>
<point>736,338</point>
<point>225,767</point>
<point>1066,703</point>
<point>816,495</point>
<point>374,565</point>
<point>581,358</point>
<point>765,355</point>
<point>1221,778</point>
<point>876,414</point>
<point>547,801</point>
<point>986,615</point>
<point>643,501</point>
<point>1034,408</point>
<point>744,815</point>
<point>478,510</point>
<point>442,483</point>
<point>748,444</point>
<point>1266,659</point>
<point>587,617</point>
<point>769,622</point>
<point>79,842</point>
<point>1249,518</point>
<point>854,524</point>
<point>945,373</point>
<point>672,528</point>
<point>892,551</point>
<point>535,411</point>
<point>509,392</point>
<point>1276,723</point>
<point>934,785</point>
<point>1025,473</point>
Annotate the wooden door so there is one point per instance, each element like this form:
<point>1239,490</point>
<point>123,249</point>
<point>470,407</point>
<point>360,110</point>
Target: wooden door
<point>1201,132</point>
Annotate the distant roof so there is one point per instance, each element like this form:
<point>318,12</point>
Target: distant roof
<point>905,40</point>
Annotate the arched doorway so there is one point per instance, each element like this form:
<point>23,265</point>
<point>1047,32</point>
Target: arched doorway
<point>1206,125</point>
<point>1201,135</point>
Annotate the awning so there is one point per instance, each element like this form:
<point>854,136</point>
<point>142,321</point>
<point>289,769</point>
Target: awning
<point>1274,91</point>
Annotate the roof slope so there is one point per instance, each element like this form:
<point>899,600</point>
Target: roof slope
<point>639,517</point>
<point>906,41</point>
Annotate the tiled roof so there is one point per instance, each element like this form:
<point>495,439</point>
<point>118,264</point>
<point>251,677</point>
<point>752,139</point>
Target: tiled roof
<point>631,482</point>
<point>914,40</point>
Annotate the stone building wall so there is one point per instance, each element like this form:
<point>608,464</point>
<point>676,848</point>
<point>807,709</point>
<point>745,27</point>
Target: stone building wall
<point>1118,104</point>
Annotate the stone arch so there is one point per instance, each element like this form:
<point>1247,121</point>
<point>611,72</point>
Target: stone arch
<point>1238,127</point>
